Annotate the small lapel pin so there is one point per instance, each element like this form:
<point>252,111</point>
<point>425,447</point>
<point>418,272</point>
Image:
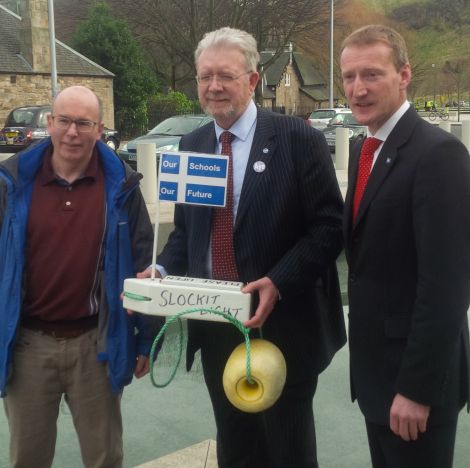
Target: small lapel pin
<point>265,150</point>
<point>259,166</point>
<point>388,160</point>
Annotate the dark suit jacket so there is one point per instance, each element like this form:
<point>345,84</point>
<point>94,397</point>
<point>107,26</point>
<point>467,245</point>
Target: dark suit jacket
<point>288,227</point>
<point>409,272</point>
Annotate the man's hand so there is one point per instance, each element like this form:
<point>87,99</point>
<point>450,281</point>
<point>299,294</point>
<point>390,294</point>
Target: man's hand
<point>148,273</point>
<point>142,366</point>
<point>408,418</point>
<point>268,296</point>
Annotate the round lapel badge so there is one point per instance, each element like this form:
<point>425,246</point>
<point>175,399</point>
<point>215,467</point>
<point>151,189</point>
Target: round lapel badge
<point>259,166</point>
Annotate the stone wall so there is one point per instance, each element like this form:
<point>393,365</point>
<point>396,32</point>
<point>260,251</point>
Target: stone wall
<point>307,103</point>
<point>28,90</point>
<point>290,97</point>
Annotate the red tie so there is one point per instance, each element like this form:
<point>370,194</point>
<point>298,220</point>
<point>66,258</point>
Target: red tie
<point>223,256</point>
<point>365,164</point>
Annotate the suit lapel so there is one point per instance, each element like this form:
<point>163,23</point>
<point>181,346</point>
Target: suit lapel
<point>381,169</point>
<point>384,164</point>
<point>352,177</point>
<point>262,150</point>
<point>206,140</point>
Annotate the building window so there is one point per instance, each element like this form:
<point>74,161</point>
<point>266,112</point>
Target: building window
<point>13,79</point>
<point>287,79</point>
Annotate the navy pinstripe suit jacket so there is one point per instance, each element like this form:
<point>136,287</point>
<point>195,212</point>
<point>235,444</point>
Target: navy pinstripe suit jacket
<point>288,227</point>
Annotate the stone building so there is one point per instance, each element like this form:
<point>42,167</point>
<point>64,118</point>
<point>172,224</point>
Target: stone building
<point>291,83</point>
<point>25,61</point>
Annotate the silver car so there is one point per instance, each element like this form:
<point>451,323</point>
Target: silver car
<point>166,136</point>
<point>319,118</point>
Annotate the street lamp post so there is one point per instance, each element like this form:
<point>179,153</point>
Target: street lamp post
<point>433,65</point>
<point>50,5</point>
<point>331,52</point>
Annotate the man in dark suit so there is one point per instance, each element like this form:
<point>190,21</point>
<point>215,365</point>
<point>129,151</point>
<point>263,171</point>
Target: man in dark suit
<point>408,248</point>
<point>286,236</point>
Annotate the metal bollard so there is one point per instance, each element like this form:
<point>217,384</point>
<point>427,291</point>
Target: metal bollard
<point>466,133</point>
<point>147,166</point>
<point>342,149</point>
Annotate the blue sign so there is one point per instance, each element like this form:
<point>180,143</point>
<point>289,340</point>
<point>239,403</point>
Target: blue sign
<point>207,167</point>
<point>168,191</point>
<point>170,163</point>
<point>205,194</point>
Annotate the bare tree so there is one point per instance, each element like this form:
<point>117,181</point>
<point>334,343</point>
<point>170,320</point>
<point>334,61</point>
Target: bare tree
<point>171,29</point>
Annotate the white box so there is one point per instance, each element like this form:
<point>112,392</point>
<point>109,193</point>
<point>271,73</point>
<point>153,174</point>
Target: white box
<point>174,294</point>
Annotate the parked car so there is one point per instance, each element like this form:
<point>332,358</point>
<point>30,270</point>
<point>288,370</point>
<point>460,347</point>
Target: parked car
<point>356,131</point>
<point>27,124</point>
<point>319,118</point>
<point>111,137</point>
<point>166,136</point>
<point>23,126</point>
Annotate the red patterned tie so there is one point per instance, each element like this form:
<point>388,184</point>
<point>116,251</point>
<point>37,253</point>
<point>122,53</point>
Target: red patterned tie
<point>365,164</point>
<point>223,256</point>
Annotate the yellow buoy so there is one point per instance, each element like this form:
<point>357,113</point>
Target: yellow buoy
<point>268,372</point>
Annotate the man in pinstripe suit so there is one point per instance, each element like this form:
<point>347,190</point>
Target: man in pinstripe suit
<point>286,237</point>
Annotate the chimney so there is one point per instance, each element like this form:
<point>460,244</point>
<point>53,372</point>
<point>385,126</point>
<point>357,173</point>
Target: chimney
<point>34,35</point>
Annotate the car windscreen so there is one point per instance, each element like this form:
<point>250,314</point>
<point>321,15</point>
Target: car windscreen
<point>21,118</point>
<point>344,119</point>
<point>322,114</point>
<point>176,126</point>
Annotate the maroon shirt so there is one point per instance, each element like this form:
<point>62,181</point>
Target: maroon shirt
<point>64,244</point>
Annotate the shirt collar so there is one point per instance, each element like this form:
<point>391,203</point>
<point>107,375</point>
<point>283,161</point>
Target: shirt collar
<point>241,128</point>
<point>47,175</point>
<point>384,131</point>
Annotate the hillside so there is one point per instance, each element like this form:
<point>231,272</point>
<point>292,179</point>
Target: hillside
<point>442,26</point>
<point>438,36</point>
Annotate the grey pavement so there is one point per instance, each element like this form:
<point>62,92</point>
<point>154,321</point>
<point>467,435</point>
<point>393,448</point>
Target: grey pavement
<point>160,424</point>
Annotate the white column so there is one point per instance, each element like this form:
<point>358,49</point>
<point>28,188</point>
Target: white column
<point>342,149</point>
<point>147,165</point>
<point>466,133</point>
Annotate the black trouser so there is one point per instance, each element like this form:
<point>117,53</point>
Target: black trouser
<point>433,448</point>
<point>281,437</point>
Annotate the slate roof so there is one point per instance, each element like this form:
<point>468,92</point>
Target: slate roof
<point>308,73</point>
<point>318,94</point>
<point>275,70</point>
<point>69,61</point>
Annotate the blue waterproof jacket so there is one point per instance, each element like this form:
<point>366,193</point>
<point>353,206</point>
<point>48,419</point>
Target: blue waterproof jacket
<point>128,247</point>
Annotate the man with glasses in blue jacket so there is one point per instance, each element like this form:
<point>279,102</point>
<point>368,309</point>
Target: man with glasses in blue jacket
<point>73,226</point>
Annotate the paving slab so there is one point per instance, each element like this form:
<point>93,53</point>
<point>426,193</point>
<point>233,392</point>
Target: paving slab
<point>160,422</point>
<point>201,455</point>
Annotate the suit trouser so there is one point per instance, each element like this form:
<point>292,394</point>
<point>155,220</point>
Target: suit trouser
<point>44,369</point>
<point>433,448</point>
<point>281,437</point>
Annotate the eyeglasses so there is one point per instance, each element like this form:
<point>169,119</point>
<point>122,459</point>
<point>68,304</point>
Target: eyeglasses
<point>82,126</point>
<point>224,78</point>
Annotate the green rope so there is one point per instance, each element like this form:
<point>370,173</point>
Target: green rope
<point>177,317</point>
<point>136,297</point>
